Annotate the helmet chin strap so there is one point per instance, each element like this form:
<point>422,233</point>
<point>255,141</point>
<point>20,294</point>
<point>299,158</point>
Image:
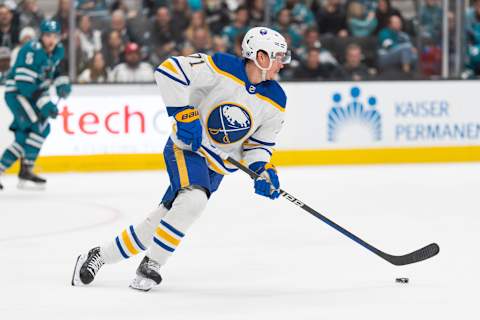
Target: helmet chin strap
<point>264,70</point>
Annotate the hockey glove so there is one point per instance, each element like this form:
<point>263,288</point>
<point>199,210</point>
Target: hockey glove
<point>189,128</point>
<point>268,184</point>
<point>64,90</point>
<point>49,110</point>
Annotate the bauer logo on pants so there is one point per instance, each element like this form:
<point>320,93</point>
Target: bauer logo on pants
<point>228,123</point>
<point>354,118</point>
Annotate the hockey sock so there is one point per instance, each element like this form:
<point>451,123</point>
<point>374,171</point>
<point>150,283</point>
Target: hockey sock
<point>11,154</point>
<point>186,208</point>
<point>33,144</point>
<point>133,239</point>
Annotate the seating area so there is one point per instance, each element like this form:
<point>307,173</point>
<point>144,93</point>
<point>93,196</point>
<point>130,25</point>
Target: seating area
<point>351,39</point>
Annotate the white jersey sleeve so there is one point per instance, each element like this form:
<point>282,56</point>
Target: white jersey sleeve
<point>178,78</point>
<point>259,146</point>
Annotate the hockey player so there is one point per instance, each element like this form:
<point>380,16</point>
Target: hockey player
<point>28,98</point>
<point>218,101</point>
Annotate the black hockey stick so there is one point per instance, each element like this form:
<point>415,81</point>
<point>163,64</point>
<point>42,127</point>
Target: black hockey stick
<point>415,256</point>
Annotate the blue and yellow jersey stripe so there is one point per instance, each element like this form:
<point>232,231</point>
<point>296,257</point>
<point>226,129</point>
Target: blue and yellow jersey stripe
<point>172,69</point>
<point>216,163</point>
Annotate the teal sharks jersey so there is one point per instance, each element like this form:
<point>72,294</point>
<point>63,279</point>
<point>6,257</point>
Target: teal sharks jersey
<point>30,78</point>
<point>35,70</point>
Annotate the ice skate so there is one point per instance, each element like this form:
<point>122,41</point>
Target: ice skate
<point>29,180</point>
<point>86,267</point>
<point>148,275</point>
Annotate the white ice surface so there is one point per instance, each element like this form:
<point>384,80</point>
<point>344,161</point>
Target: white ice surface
<point>250,258</point>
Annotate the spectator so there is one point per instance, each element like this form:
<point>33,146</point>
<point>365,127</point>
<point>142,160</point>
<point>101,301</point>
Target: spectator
<point>430,20</point>
<point>30,15</point>
<point>353,68</point>
<point>113,50</point>
<point>119,24</point>
<point>302,16</point>
<point>216,15</point>
<point>150,7</point>
<point>219,44</point>
<point>311,40</point>
<point>370,5</point>
<point>187,50</point>
<point>133,69</point>
<point>197,21</point>
<point>256,8</point>
<point>4,63</point>
<point>237,47</point>
<point>284,26</point>
<point>473,23</point>
<point>202,41</point>
<point>96,72</point>
<point>384,12</point>
<point>396,49</point>
<point>311,69</point>
<point>92,7</point>
<point>26,35</point>
<point>361,23</point>
<point>62,18</point>
<point>90,39</point>
<point>180,14</point>
<point>165,38</point>
<point>473,39</point>
<point>239,26</point>
<point>124,6</point>
<point>9,32</point>
<point>331,19</point>
<point>473,62</point>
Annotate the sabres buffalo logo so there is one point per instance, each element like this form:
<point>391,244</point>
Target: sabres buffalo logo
<point>228,123</point>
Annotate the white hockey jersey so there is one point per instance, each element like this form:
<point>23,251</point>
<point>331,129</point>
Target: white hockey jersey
<point>240,118</point>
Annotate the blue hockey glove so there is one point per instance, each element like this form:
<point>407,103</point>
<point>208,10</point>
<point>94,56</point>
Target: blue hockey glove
<point>64,90</point>
<point>49,110</point>
<point>268,184</point>
<point>189,128</point>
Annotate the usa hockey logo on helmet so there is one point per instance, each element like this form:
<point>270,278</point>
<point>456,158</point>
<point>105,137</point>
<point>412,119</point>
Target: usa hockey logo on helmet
<point>228,123</point>
<point>50,26</point>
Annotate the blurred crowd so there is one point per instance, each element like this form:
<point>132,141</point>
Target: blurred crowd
<point>122,41</point>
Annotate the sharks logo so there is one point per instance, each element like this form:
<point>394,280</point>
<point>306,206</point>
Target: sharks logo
<point>229,123</point>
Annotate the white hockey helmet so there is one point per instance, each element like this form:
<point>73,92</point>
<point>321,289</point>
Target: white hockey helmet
<point>268,40</point>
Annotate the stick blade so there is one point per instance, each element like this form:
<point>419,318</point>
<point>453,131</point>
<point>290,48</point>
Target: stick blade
<point>416,256</point>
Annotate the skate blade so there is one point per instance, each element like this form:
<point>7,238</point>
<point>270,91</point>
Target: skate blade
<point>142,284</point>
<point>28,185</point>
<point>76,281</point>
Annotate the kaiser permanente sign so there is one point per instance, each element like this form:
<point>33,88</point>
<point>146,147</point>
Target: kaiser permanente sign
<point>125,126</point>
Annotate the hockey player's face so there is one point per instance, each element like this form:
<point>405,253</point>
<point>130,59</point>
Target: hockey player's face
<point>277,65</point>
<point>50,41</point>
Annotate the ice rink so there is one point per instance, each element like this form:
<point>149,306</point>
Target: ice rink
<point>250,258</point>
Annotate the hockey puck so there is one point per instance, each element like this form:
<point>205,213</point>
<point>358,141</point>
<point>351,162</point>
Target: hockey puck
<point>401,280</point>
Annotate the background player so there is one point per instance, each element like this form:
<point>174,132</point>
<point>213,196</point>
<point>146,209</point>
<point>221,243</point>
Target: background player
<point>221,100</point>
<point>28,98</point>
